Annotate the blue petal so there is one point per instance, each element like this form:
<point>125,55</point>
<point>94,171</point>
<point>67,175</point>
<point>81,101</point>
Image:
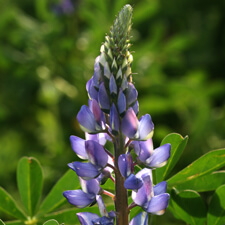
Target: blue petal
<point>125,163</point>
<point>101,138</point>
<point>112,86</point>
<point>160,188</point>
<point>144,150</point>
<point>121,103</point>
<point>135,107</point>
<point>129,124</point>
<point>78,147</point>
<point>92,92</point>
<point>131,95</point>
<point>87,120</point>
<point>96,153</point>
<point>97,112</point>
<point>86,218</point>
<point>114,119</point>
<point>158,204</point>
<point>97,76</point>
<point>145,193</point>
<point>145,128</point>
<point>78,198</point>
<point>140,219</point>
<point>103,98</point>
<point>90,186</point>
<point>104,221</point>
<point>133,183</point>
<point>101,206</point>
<point>85,170</point>
<point>160,156</point>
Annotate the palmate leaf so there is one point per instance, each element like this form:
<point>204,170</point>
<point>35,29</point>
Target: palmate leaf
<point>178,144</point>
<point>55,198</point>
<point>206,164</point>
<point>216,212</point>
<point>188,206</point>
<point>9,206</point>
<point>29,181</point>
<point>209,182</point>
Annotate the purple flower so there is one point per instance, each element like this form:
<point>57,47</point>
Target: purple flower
<point>114,120</point>
<point>85,170</point>
<point>137,130</point>
<point>92,92</point>
<point>151,158</point>
<point>140,219</point>
<point>103,98</point>
<point>91,120</point>
<point>86,218</point>
<point>152,200</point>
<point>121,103</point>
<point>84,197</point>
<point>131,95</point>
<point>96,153</point>
<point>78,146</point>
<point>126,166</point>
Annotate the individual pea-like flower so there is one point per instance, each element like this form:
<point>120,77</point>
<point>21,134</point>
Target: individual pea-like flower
<point>137,130</point>
<point>149,157</point>
<point>106,218</point>
<point>140,219</point>
<point>84,197</point>
<point>91,118</point>
<point>97,157</point>
<point>153,200</point>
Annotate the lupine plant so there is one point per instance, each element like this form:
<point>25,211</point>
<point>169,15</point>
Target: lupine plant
<point>111,115</point>
<point>117,159</point>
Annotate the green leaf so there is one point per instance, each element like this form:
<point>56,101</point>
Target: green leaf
<point>55,198</point>
<point>204,165</point>
<point>1,222</point>
<point>188,206</point>
<point>216,212</point>
<point>51,222</point>
<point>8,205</point>
<point>30,181</point>
<point>178,144</point>
<point>209,182</point>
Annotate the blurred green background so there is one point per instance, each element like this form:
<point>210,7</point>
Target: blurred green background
<point>47,54</point>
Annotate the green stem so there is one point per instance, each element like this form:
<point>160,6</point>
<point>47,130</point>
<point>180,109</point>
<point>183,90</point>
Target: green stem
<point>121,199</point>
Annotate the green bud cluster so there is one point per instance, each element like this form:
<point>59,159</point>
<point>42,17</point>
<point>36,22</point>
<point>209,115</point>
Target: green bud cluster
<point>115,50</point>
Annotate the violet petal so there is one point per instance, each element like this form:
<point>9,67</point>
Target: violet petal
<point>103,98</point>
<point>96,153</point>
<point>145,128</point>
<point>158,204</point>
<point>129,124</point>
<point>160,156</point>
<point>140,219</point>
<point>86,218</point>
<point>85,170</point>
<point>78,198</point>
<point>78,146</point>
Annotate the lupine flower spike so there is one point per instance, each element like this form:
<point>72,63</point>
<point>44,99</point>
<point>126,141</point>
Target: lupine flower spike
<point>112,116</point>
